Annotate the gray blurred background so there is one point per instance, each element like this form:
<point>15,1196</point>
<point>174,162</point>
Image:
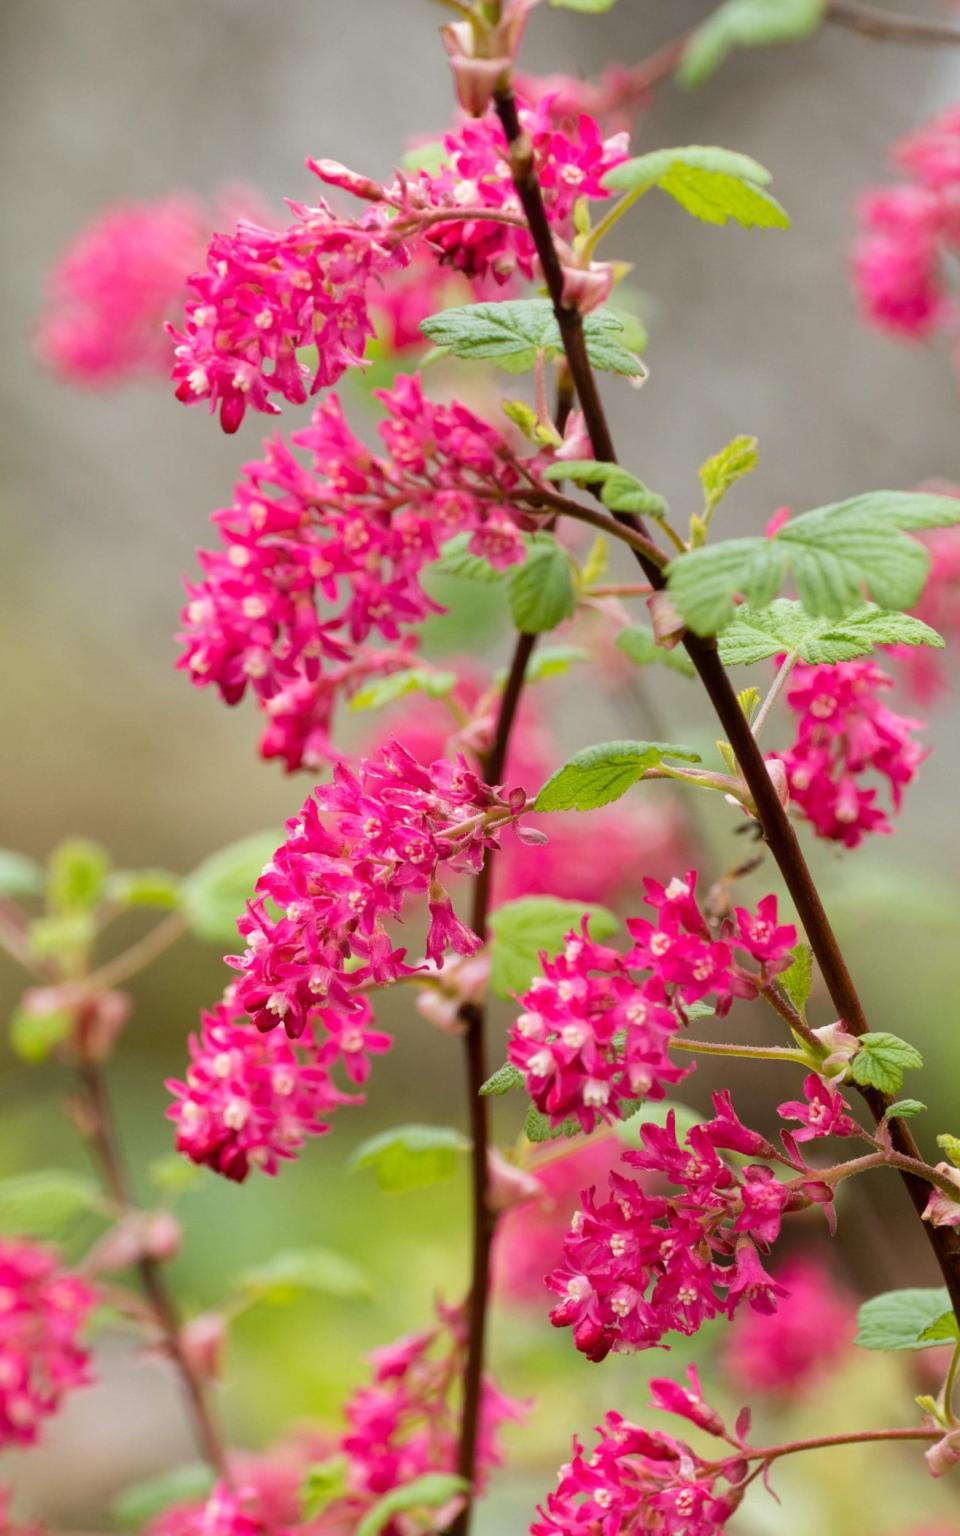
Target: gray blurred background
<point>104,498</point>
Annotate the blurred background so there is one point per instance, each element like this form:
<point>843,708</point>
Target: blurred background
<point>105,496</point>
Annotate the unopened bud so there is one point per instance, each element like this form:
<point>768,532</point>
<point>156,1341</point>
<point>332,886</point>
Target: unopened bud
<point>202,1340</point>
<point>668,626</point>
<point>508,1185</point>
<point>586,288</point>
<point>944,1454</point>
<point>943,1210</point>
<point>337,175</point>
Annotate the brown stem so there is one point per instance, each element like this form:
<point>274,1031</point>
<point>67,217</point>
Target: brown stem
<point>104,1138</point>
<point>474,1017</point>
<point>776,825</point>
<point>606,522</point>
<point>889,26</point>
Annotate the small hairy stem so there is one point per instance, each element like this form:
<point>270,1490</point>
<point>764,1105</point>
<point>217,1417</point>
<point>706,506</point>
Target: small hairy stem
<point>748,1052</point>
<point>774,693</point>
<point>889,26</point>
<point>106,1146</point>
<point>135,959</point>
<point>768,1453</point>
<point>473,1016</point>
<point>778,830</point>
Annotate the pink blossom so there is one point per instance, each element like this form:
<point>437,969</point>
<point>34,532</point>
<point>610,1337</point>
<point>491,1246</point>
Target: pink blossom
<point>789,1350</point>
<point>923,667</point>
<point>530,1238</point>
<point>318,567</point>
<point>845,733</point>
<point>250,1100</point>
<point>823,1112</point>
<point>123,275</point>
<point>361,848</point>
<point>42,1312</point>
<point>943,1210</point>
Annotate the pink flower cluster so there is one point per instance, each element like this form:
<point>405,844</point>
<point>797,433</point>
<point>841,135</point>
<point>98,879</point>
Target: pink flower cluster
<point>909,232</point>
<point>844,732</point>
<point>120,279</point>
<point>43,1309</point>
<point>530,1235</point>
<point>571,157</point>
<point>792,1349</point>
<point>924,670</point>
<point>251,1099</point>
<point>593,1036</point>
<point>361,847</point>
<point>641,1482</point>
<point>314,561</point>
<point>637,1266</point>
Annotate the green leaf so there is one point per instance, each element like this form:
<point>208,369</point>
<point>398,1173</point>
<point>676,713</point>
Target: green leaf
<point>538,1127</point>
<point>899,1319</point>
<point>294,1270</point>
<point>712,184</point>
<point>620,491</point>
<point>411,1156</point>
<point>834,554</point>
<point>504,1080</point>
<point>34,1036</point>
<point>175,1174</point>
<point>904,1109</point>
<point>639,643</point>
<point>45,1203</point>
<point>882,1060</point>
<point>513,332</point>
<point>943,1331</point>
<point>143,888</point>
<point>797,979</point>
<point>386,690</point>
<point>604,772</point>
<point>323,1482</point>
<point>655,1113</point>
<point>66,938</point>
<point>549,661</point>
<point>725,468</point>
<point>746,24</point>
<point>76,876</point>
<point>950,1145</point>
<point>141,1503</point>
<point>541,591</point>
<point>593,7</point>
<point>215,894</point>
<point>426,1492</point>
<point>521,930</point>
<point>753,635</point>
<point>20,876</point>
<point>457,560</point>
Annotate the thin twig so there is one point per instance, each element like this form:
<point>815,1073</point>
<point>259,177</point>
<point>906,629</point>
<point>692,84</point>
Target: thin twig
<point>133,960</point>
<point>890,26</point>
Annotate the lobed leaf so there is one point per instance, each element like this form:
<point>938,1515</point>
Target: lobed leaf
<point>900,1319</point>
<point>541,591</point>
<point>725,468</point>
<point>713,184</point>
<point>753,635</point>
<point>604,772</point>
<point>514,331</point>
<point>882,1060</point>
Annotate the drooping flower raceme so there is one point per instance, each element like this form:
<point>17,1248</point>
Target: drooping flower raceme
<point>316,582</point>
<point>642,1482</point>
<point>594,1034</point>
<point>844,734</point>
<point>251,1099</point>
<point>43,1310</point>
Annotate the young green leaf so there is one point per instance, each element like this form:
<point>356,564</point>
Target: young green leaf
<point>797,979</point>
<point>755,634</point>
<point>427,1492</point>
<point>295,1270</point>
<point>620,491</point>
<point>639,643</point>
<point>324,1481</point>
<point>950,1145</point>
<point>746,24</point>
<point>550,661</point>
<point>386,690</point>
<point>904,1109</point>
<point>143,888</point>
<point>899,1319</point>
<point>504,1080</point>
<point>521,930</point>
<point>538,1127</point>
<point>411,1156</point>
<point>136,1506</point>
<point>724,469</point>
<point>512,332</point>
<point>834,554</point>
<point>215,894</point>
<point>46,1203</point>
<point>943,1331</point>
<point>76,875</point>
<point>882,1060</point>
<point>20,876</point>
<point>604,772</point>
<point>541,591</point>
<point>713,184</point>
<point>34,1036</point>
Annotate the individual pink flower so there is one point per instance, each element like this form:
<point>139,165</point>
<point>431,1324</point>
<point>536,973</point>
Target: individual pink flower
<point>788,1351</point>
<point>844,735</point>
<point>123,275</point>
<point>43,1309</point>
<point>315,587</point>
<point>250,1100</point>
<point>822,1112</point>
<point>362,847</point>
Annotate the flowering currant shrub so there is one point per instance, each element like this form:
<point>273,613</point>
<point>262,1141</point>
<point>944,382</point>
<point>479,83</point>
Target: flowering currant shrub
<point>457,867</point>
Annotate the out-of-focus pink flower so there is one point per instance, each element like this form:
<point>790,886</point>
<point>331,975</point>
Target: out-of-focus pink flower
<point>530,1238</point>
<point>790,1350</point>
<point>43,1309</point>
<point>923,668</point>
<point>121,278</point>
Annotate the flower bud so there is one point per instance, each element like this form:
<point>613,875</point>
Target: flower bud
<point>943,1210</point>
<point>668,626</point>
<point>944,1454</point>
<point>202,1340</point>
<point>337,175</point>
<point>586,288</point>
<point>508,1185</point>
